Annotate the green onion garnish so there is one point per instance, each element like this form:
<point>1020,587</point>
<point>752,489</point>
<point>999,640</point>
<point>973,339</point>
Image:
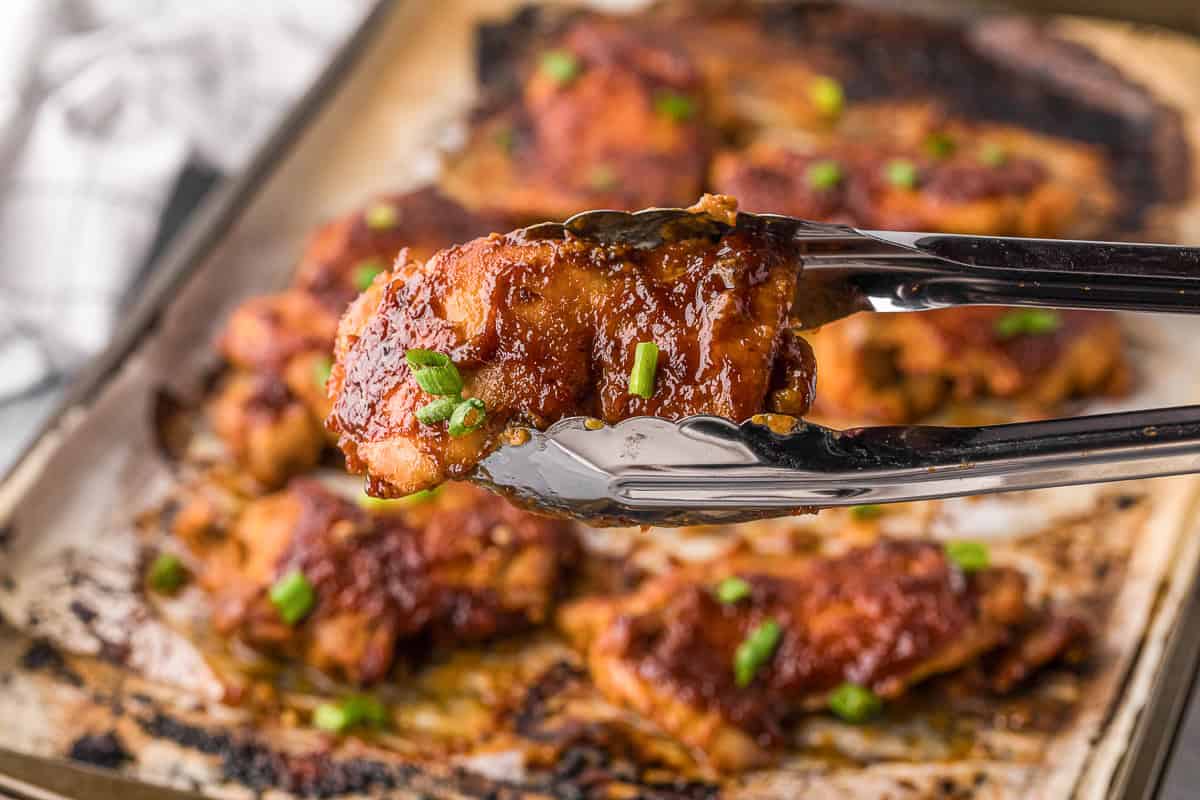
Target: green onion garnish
<point>293,596</point>
<point>827,96</point>
<point>854,703</point>
<point>321,369</point>
<point>418,358</point>
<point>560,66</point>
<point>440,380</point>
<point>505,139</point>
<point>866,512</point>
<point>365,272</point>
<point>437,411</point>
<point>675,106</point>
<point>1027,322</point>
<point>645,366</point>
<point>968,556</point>
<point>602,178</point>
<point>434,371</point>
<point>755,651</point>
<point>823,174</point>
<point>370,503</point>
<point>730,590</point>
<point>939,145</point>
<point>993,154</point>
<point>901,172</point>
<point>167,574</point>
<point>468,415</point>
<point>355,710</point>
<point>382,216</point>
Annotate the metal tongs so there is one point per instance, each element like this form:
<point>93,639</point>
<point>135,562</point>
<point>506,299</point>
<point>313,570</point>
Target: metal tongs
<point>653,471</point>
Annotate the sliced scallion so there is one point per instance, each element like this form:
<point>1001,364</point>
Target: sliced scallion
<point>731,590</point>
<point>827,96</point>
<point>755,651</point>
<point>468,416</point>
<point>645,367</point>
<point>968,556</point>
<point>293,596</point>
<point>854,703</point>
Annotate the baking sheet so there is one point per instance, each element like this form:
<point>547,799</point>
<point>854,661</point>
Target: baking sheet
<point>70,559</point>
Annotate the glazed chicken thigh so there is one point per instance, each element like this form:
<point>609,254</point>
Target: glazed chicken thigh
<point>881,617</point>
<point>462,566</point>
<point>536,328</point>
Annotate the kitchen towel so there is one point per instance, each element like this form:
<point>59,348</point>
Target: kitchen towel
<point>102,105</point>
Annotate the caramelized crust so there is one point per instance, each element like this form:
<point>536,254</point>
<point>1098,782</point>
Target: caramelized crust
<point>341,252</point>
<point>269,413</point>
<point>900,367</point>
<point>546,328</point>
<point>462,567</point>
<point>624,130</point>
<point>883,616</point>
<point>959,194</point>
<point>265,332</point>
<point>270,433</point>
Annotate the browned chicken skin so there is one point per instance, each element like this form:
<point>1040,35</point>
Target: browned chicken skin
<point>546,328</point>
<point>883,616</point>
<point>269,410</point>
<point>610,118</point>
<point>901,367</point>
<point>960,193</point>
<point>463,566</point>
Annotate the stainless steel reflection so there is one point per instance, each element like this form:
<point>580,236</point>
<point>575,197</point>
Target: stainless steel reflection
<point>711,470</point>
<point>847,270</point>
<point>652,471</point>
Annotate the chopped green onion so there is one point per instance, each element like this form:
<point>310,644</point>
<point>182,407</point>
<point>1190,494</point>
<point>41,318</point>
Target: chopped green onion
<point>442,379</point>
<point>365,272</point>
<point>940,145</point>
<point>823,174</point>
<point>418,358</point>
<point>602,178</point>
<point>675,106</point>
<point>467,416</point>
<point>505,139</point>
<point>1027,322</point>
<point>293,596</point>
<point>370,503</point>
<point>968,556</point>
<point>166,574</point>
<point>560,66</point>
<point>993,154</point>
<point>866,512</point>
<point>437,411</point>
<point>354,710</point>
<point>382,216</point>
<point>322,367</point>
<point>854,703</point>
<point>755,651</point>
<point>730,590</point>
<point>827,96</point>
<point>901,172</point>
<point>645,366</point>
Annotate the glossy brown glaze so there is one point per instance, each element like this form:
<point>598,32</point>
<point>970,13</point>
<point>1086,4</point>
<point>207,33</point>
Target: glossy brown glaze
<point>883,616</point>
<point>341,252</point>
<point>958,194</point>
<point>281,344</point>
<point>901,367</point>
<point>546,328</point>
<point>461,567</point>
<point>600,138</point>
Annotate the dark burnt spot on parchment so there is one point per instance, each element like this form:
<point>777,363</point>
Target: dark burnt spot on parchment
<point>105,750</point>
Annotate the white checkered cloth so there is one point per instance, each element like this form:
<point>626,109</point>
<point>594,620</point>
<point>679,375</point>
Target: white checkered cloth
<point>102,104</point>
